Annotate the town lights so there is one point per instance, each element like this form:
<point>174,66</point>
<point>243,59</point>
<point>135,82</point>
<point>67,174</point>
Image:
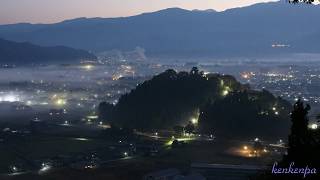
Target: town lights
<point>245,147</point>
<point>60,102</point>
<point>9,98</point>
<point>29,103</point>
<point>87,67</point>
<point>245,76</point>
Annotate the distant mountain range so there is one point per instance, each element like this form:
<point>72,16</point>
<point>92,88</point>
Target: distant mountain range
<point>26,53</point>
<point>246,31</point>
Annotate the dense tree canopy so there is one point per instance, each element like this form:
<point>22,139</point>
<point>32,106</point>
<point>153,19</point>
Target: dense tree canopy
<point>168,99</point>
<point>247,114</point>
<point>213,103</point>
<point>304,143</point>
<point>302,1</point>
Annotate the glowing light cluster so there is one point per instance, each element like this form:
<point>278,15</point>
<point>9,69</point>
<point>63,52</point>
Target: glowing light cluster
<point>116,77</point>
<point>225,91</point>
<point>247,75</point>
<point>280,45</point>
<point>44,168</point>
<point>194,121</point>
<point>87,67</point>
<point>60,102</point>
<point>59,99</point>
<point>9,98</point>
<point>314,126</point>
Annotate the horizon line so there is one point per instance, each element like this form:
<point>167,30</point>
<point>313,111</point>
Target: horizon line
<point>138,14</point>
<point>148,12</point>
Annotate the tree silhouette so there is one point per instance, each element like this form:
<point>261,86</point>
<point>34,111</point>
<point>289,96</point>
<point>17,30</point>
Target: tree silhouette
<point>301,1</point>
<point>105,111</point>
<point>189,128</point>
<point>304,144</point>
<point>303,147</point>
<point>194,71</point>
<point>300,137</point>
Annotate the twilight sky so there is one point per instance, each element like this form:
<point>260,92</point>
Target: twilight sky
<point>49,11</point>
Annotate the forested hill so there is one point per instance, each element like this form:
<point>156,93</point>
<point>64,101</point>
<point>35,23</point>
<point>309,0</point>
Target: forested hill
<point>247,114</point>
<point>26,54</point>
<point>175,98</point>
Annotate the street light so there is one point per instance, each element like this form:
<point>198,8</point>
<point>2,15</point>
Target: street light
<point>194,121</point>
<point>125,154</point>
<point>225,92</point>
<point>314,126</point>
